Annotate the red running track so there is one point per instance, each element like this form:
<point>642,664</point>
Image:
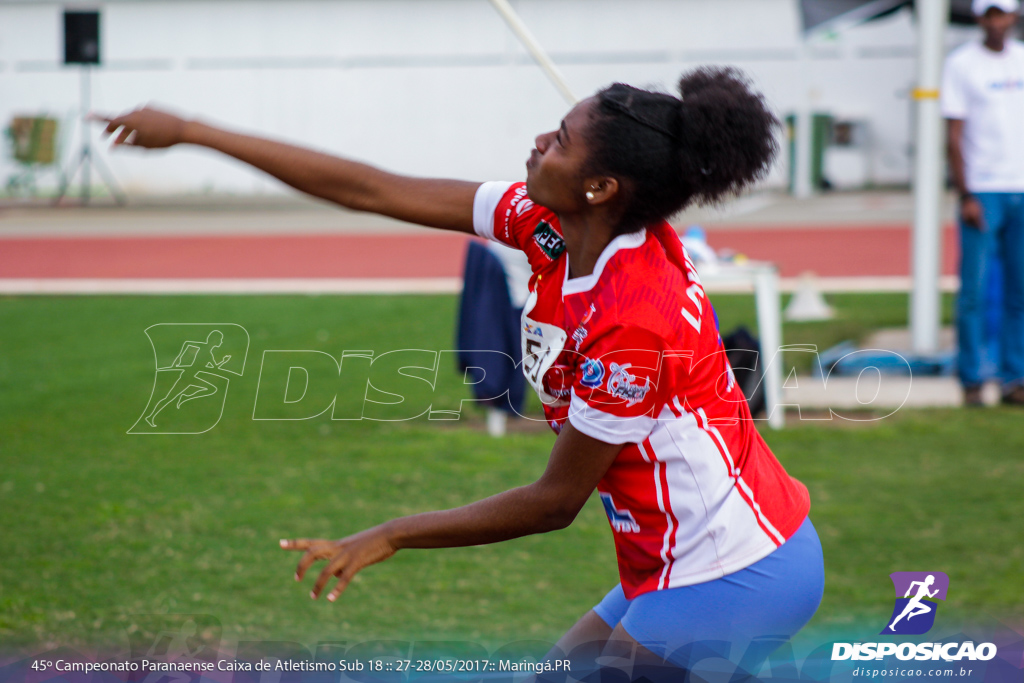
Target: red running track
<point>828,251</point>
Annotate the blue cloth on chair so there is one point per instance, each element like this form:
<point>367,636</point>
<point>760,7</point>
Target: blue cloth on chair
<point>488,322</point>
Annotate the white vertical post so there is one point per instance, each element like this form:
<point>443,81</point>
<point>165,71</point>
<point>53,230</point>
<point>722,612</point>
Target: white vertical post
<point>769,328</point>
<point>932,17</point>
<point>86,130</point>
<point>803,153</point>
<point>803,124</point>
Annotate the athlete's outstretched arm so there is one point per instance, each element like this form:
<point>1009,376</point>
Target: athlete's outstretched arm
<point>436,203</point>
<point>576,465</point>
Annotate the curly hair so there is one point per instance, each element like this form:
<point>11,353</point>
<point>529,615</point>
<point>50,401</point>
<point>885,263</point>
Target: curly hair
<point>714,140</point>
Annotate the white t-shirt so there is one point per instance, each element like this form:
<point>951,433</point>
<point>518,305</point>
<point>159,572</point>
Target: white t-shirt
<point>985,89</point>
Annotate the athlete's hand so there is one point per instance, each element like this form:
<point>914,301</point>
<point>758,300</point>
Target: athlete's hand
<point>344,558</point>
<point>972,214</point>
<point>145,127</point>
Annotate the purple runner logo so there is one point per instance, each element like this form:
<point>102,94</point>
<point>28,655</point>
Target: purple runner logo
<point>914,612</point>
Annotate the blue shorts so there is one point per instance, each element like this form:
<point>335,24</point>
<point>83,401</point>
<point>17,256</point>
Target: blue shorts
<point>748,610</point>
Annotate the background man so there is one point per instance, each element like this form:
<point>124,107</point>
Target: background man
<point>983,102</point>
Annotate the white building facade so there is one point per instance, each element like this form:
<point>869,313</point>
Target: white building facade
<point>435,87</point>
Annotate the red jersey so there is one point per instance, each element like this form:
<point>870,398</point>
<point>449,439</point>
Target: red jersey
<point>631,355</point>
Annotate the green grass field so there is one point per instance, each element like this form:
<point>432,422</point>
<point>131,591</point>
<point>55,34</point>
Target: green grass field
<point>102,529</point>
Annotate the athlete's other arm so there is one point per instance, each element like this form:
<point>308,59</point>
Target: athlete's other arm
<point>552,502</point>
<point>970,207</point>
<point>437,203</point>
<point>910,588</point>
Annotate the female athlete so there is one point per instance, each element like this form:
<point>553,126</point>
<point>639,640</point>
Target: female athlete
<point>621,343</point>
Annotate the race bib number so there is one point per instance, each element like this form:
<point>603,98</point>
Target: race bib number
<point>542,343</point>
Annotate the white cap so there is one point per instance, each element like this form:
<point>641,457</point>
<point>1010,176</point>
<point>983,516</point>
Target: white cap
<point>979,7</point>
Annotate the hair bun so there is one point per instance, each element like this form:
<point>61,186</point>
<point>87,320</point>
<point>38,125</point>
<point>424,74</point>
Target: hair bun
<point>713,140</point>
<point>728,132</point>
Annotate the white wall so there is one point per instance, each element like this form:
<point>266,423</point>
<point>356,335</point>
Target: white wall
<point>432,87</point>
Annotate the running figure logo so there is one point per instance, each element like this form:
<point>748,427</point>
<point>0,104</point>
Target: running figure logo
<point>193,361</point>
<point>622,521</point>
<point>914,613</point>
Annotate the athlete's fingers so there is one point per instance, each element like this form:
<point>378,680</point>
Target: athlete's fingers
<point>122,136</point>
<point>110,129</point>
<point>102,118</point>
<point>307,560</point>
<point>315,552</point>
<point>338,563</point>
<point>296,543</point>
<point>113,123</point>
<point>339,588</point>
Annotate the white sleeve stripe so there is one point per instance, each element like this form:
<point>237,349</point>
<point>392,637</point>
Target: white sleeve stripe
<point>484,203</point>
<point>607,427</point>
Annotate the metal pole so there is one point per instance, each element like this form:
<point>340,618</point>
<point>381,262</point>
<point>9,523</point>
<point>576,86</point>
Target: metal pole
<point>932,16</point>
<point>803,144</point>
<point>803,188</point>
<point>534,48</point>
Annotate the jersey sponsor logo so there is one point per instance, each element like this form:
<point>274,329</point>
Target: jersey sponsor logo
<point>581,331</point>
<point>622,384</point>
<point>1009,84</point>
<point>579,335</point>
<point>549,241</point>
<point>621,520</point>
<point>920,605</point>
<point>520,203</point>
<point>593,373</point>
<point>557,382</point>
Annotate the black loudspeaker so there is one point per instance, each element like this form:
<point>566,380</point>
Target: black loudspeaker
<point>81,37</point>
